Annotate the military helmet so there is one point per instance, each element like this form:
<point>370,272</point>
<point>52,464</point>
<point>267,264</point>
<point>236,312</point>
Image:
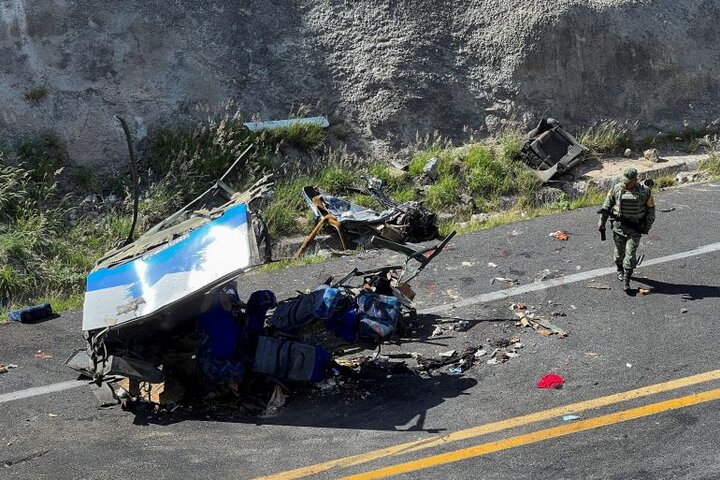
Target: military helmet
<point>629,174</point>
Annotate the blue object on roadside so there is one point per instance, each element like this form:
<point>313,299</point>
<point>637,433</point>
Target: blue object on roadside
<point>31,314</point>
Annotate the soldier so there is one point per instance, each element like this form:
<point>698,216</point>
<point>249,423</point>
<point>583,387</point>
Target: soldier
<point>631,208</point>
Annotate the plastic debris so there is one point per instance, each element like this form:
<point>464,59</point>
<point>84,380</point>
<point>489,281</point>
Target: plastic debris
<point>438,332</point>
<point>31,314</point>
<point>683,310</point>
<point>629,365</point>
<point>551,381</point>
<point>509,281</point>
<point>276,402</point>
<point>41,355</point>
<point>560,235</point>
<point>453,294</point>
<point>7,368</point>
<point>327,384</point>
<point>644,291</point>
<point>461,326</point>
<point>569,418</point>
<point>448,354</point>
<point>480,353</point>
<point>464,359</point>
<point>492,265</point>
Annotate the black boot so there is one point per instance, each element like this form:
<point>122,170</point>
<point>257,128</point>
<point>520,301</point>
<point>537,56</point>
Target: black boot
<point>628,274</point>
<point>621,272</point>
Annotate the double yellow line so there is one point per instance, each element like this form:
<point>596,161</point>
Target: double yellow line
<point>519,440</point>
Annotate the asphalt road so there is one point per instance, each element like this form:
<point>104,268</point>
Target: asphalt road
<point>491,422</point>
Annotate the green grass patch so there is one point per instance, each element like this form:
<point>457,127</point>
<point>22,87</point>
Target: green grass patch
<point>290,262</point>
<point>711,165</point>
<point>42,155</point>
<point>665,181</point>
<point>608,137</point>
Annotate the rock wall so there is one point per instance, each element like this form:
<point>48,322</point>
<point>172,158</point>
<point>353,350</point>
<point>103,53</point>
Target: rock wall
<point>386,69</point>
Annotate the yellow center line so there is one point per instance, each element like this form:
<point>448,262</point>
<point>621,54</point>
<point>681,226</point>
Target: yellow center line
<point>538,436</point>
<point>495,426</point>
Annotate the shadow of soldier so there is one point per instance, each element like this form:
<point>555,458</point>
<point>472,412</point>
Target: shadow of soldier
<point>687,291</point>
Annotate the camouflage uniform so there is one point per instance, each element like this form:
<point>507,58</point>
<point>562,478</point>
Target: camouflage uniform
<point>636,205</point>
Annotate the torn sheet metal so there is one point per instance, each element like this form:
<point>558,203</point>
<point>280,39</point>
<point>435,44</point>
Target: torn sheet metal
<point>550,150</point>
<point>187,266</point>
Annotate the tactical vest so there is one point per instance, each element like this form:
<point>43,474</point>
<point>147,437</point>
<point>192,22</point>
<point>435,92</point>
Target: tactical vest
<point>632,204</point>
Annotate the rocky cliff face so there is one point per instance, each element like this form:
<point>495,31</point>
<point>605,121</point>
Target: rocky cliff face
<point>387,69</point>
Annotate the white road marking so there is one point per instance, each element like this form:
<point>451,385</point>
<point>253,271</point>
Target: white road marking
<point>485,297</point>
<point>35,391</point>
<point>554,282</point>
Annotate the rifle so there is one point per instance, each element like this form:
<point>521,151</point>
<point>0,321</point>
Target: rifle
<point>637,226</point>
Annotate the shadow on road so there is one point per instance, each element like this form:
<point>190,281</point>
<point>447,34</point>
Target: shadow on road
<point>687,291</point>
<point>398,403</point>
<point>381,396</point>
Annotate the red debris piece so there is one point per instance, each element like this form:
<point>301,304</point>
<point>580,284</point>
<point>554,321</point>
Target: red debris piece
<point>560,235</point>
<point>42,356</point>
<point>551,381</point>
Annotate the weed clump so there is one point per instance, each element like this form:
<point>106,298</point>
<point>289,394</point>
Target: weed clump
<point>608,137</point>
<point>37,94</point>
<point>712,165</point>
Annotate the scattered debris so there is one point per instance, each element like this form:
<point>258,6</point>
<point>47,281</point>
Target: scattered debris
<point>492,265</point>
<point>464,359</point>
<point>629,365</point>
<point>447,354</point>
<point>506,349</point>
<point>599,286</point>
<point>276,402</point>
<point>644,291</point>
<point>7,368</point>
<point>468,264</point>
<point>569,418</point>
<point>543,327</point>
<point>683,310</point>
<point>41,355</point>
<point>31,314</point>
<point>667,210</point>
<point>509,281</point>
<point>560,235</point>
<point>453,294</point>
<point>550,150</point>
<point>52,415</point>
<point>461,326</point>
<point>627,153</point>
<point>438,332</point>
<point>551,381</point>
